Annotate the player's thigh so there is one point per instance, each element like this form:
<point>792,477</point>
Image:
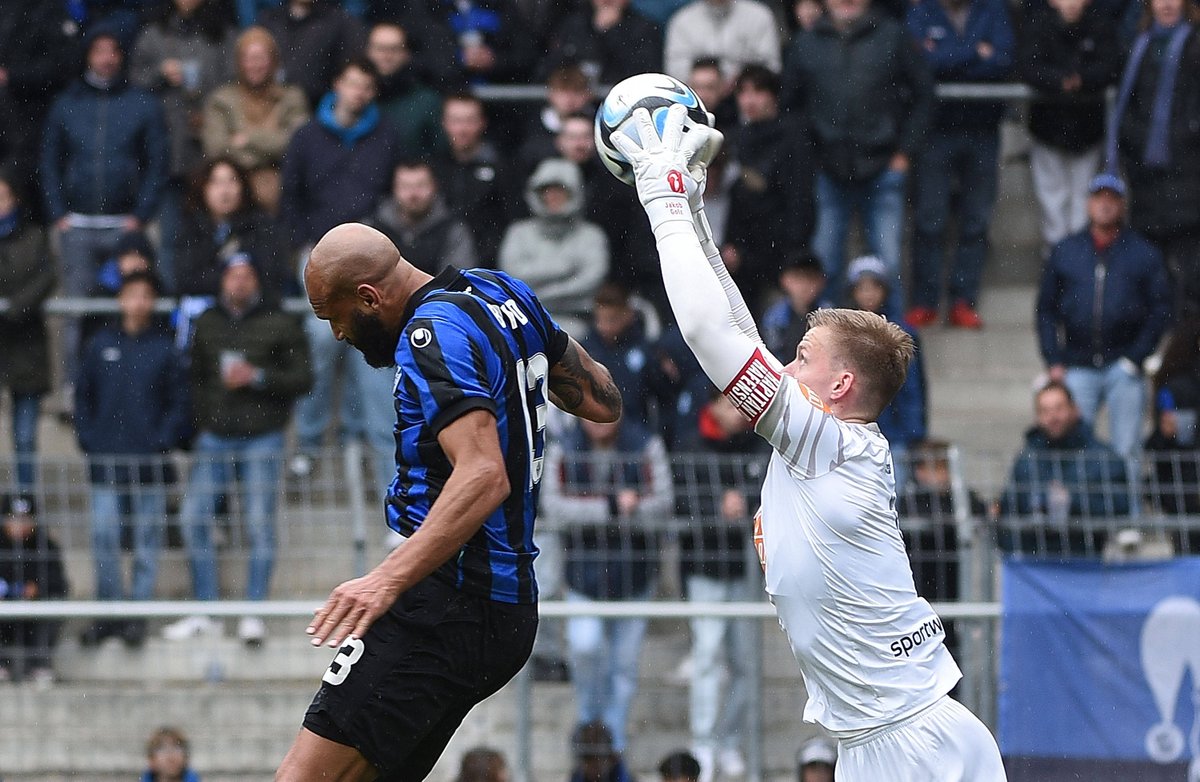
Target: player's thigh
<point>315,757</point>
<point>944,743</point>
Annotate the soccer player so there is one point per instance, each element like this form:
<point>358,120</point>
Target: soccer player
<point>871,651</point>
<point>449,616</point>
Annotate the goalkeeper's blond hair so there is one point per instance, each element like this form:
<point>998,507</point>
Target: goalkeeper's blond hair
<point>877,351</point>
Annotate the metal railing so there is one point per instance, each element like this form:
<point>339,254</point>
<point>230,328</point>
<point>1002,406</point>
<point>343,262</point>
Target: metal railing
<point>328,530</point>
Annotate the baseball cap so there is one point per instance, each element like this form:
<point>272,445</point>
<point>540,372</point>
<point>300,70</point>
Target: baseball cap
<point>237,259</point>
<point>817,750</point>
<point>1107,181</point>
<point>867,265</point>
<point>18,504</point>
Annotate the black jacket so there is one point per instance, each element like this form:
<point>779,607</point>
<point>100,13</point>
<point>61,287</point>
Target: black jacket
<point>482,193</point>
<point>36,559</point>
<point>1053,50</point>
<point>313,48</point>
<point>26,279</point>
<point>200,250</point>
<point>866,94</point>
<point>771,210</point>
<point>625,49</point>
<point>268,339</point>
<point>1165,199</point>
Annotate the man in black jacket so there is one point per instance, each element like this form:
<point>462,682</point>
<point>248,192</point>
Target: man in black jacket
<point>315,37</point>
<point>249,362</point>
<point>1103,305</point>
<point>609,40</point>
<point>868,96</point>
<point>771,200</point>
<point>1070,55</point>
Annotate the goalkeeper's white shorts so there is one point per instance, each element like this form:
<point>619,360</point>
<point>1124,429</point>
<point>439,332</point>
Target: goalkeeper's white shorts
<point>944,742</point>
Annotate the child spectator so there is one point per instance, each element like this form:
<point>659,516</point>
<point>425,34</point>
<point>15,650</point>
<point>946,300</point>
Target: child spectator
<point>167,757</point>
<point>679,766</point>
<point>31,568</point>
<point>802,280</point>
<point>483,764</point>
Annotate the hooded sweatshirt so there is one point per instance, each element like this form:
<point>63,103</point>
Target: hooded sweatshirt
<point>562,257</point>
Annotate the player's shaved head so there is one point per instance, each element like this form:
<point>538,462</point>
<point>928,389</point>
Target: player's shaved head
<point>357,280</point>
<point>351,254</point>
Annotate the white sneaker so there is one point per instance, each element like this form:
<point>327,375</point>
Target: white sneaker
<point>252,630</point>
<point>731,762</point>
<point>707,759</point>
<point>191,627</point>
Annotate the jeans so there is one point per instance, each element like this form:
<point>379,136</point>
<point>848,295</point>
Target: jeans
<point>368,407</point>
<point>147,508</point>
<point>220,465</point>
<point>604,666</point>
<point>967,157</point>
<point>879,203</point>
<point>25,411</point>
<point>81,252</point>
<point>1123,392</point>
<point>712,720</point>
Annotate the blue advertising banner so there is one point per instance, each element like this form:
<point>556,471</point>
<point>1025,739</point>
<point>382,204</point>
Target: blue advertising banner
<point>1100,670</point>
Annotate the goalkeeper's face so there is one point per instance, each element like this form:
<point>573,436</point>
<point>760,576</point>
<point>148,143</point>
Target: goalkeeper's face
<point>813,365</point>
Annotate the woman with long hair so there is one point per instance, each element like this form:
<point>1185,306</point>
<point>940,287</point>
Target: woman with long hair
<point>221,218</point>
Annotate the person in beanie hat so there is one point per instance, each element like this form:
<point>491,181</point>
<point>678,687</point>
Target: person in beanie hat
<point>31,568</point>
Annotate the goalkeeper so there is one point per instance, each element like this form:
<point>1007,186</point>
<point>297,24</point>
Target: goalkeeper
<point>871,650</point>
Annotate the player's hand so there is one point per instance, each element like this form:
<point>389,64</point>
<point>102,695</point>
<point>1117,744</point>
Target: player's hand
<point>351,609</point>
<point>700,145</point>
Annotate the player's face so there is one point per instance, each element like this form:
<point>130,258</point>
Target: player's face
<point>352,320</point>
<point>813,365</point>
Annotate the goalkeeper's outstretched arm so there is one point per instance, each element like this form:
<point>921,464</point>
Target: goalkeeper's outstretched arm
<point>703,307</point>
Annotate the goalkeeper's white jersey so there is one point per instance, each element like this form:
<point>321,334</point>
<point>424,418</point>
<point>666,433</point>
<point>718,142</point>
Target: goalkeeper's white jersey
<point>871,651</point>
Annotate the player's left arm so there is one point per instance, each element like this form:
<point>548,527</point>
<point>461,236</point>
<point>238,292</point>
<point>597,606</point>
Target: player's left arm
<point>582,386</point>
<point>478,483</point>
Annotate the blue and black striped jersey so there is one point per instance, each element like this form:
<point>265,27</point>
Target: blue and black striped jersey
<point>475,339</point>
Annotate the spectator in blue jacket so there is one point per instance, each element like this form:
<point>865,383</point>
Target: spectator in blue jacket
<point>1064,472</point>
<point>903,422</point>
<point>130,411</point>
<point>103,166</point>
<point>963,40</point>
<point>1103,304</point>
<point>336,169</point>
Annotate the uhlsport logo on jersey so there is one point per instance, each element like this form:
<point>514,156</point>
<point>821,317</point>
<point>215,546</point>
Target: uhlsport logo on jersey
<point>421,338</point>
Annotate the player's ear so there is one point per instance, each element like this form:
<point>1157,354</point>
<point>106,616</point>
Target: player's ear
<point>841,385</point>
<point>369,295</point>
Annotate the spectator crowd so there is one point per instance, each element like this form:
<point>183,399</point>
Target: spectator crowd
<point>198,149</point>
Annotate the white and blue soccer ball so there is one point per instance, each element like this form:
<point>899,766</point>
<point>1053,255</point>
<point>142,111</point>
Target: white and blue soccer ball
<point>655,92</point>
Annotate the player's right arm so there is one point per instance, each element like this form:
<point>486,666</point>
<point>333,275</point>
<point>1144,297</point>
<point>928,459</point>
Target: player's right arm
<point>723,343</point>
<point>582,386</point>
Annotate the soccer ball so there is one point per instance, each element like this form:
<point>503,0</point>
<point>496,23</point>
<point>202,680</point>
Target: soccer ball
<point>652,91</point>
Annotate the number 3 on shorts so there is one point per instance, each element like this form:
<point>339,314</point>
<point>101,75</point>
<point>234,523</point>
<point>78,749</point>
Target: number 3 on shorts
<point>346,657</point>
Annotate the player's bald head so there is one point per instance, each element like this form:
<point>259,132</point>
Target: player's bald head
<point>352,254</point>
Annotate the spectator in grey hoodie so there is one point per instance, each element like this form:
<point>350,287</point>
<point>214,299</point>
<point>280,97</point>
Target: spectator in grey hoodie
<point>562,256</point>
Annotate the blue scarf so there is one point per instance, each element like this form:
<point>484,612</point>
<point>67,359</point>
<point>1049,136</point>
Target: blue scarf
<point>1157,152</point>
<point>351,135</point>
<point>9,223</point>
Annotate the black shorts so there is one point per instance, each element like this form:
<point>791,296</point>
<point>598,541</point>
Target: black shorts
<point>398,695</point>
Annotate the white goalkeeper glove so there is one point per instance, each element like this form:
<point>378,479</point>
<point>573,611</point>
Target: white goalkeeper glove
<point>660,168</point>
